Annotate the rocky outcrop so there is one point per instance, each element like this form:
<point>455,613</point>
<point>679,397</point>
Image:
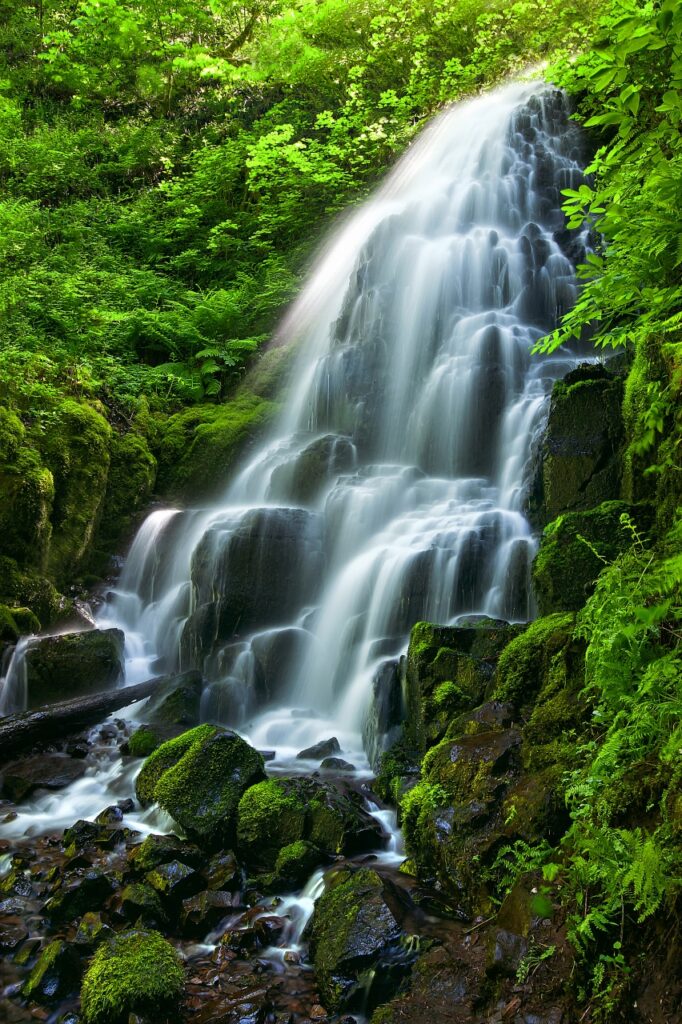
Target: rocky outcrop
<point>580,457</point>
<point>72,665</point>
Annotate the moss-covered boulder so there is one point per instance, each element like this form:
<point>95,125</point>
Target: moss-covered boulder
<point>449,669</point>
<point>199,778</point>
<point>351,931</point>
<point>580,461</point>
<point>574,549</point>
<point>280,812</point>
<point>142,742</point>
<point>129,486</point>
<point>73,665</point>
<point>136,972</point>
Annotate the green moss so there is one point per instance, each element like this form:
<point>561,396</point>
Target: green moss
<point>199,445</point>
<point>76,448</point>
<point>143,742</point>
<point>54,975</point>
<point>130,482</point>
<point>9,631</point>
<point>135,972</point>
<point>165,757</point>
<point>271,815</point>
<point>26,621</point>
<point>295,862</point>
<point>397,767</point>
<point>199,779</point>
<point>566,566</point>
<point>528,659</point>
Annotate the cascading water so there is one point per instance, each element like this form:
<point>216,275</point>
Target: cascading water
<point>392,488</point>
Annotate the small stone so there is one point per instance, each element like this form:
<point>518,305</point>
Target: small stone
<point>317,1012</point>
<point>292,957</point>
<point>12,933</point>
<point>318,751</point>
<point>175,880</point>
<point>337,764</point>
<point>91,930</point>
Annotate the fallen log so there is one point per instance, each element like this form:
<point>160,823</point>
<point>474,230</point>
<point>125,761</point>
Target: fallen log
<point>20,733</point>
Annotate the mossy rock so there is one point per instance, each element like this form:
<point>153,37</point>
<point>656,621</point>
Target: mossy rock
<point>574,549</point>
<point>73,664</point>
<point>199,778</point>
<point>199,445</point>
<point>129,486</point>
<point>279,812</point>
<point>581,451</point>
<point>27,493</point>
<point>76,448</point>
<point>295,862</point>
<point>31,589</point>
<point>544,647</point>
<point>351,929</point>
<point>55,975</point>
<point>448,670</point>
<point>143,742</point>
<point>136,972</point>
<point>9,630</point>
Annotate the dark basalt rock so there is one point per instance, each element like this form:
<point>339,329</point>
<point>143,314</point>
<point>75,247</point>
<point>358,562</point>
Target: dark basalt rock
<point>155,850</point>
<point>579,462</point>
<point>325,748</point>
<point>43,771</point>
<point>277,653</point>
<point>309,471</point>
<point>79,893</point>
<point>261,566</point>
<point>175,881</point>
<point>73,665</point>
<point>55,975</point>
<point>352,931</point>
<point>336,764</point>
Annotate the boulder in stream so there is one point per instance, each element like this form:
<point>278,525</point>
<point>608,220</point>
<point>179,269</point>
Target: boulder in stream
<point>318,751</point>
<point>73,665</point>
<point>136,972</point>
<point>284,811</point>
<point>199,778</point>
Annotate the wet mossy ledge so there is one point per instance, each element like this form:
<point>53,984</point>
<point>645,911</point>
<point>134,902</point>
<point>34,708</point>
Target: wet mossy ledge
<point>75,482</point>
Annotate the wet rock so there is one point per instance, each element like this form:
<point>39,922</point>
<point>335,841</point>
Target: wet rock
<point>303,478</point>
<point>283,811</point>
<point>155,850</point>
<point>176,701</point>
<point>261,564</point>
<point>43,771</point>
<point>55,975</point>
<point>203,913</point>
<point>449,670</point>
<point>136,972</point>
<point>579,464</point>
<point>352,930</point>
<point>175,881</point>
<point>507,952</point>
<point>385,713</point>
<point>336,764</point>
<point>277,653</point>
<point>78,894</point>
<point>223,873</point>
<point>295,864</point>
<point>325,748</point>
<point>142,742</point>
<point>73,665</point>
<point>199,779</point>
<point>12,933</point>
<point>91,931</point>
<point>140,904</point>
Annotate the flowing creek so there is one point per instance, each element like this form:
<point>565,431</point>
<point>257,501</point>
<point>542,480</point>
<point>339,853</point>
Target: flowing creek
<point>392,488</point>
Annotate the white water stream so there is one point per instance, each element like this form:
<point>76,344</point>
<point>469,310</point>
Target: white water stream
<point>392,488</point>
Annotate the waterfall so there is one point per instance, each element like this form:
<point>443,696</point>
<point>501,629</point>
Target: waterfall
<point>392,488</point>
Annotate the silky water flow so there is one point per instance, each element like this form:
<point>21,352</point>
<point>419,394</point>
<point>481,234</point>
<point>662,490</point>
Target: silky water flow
<point>392,488</point>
